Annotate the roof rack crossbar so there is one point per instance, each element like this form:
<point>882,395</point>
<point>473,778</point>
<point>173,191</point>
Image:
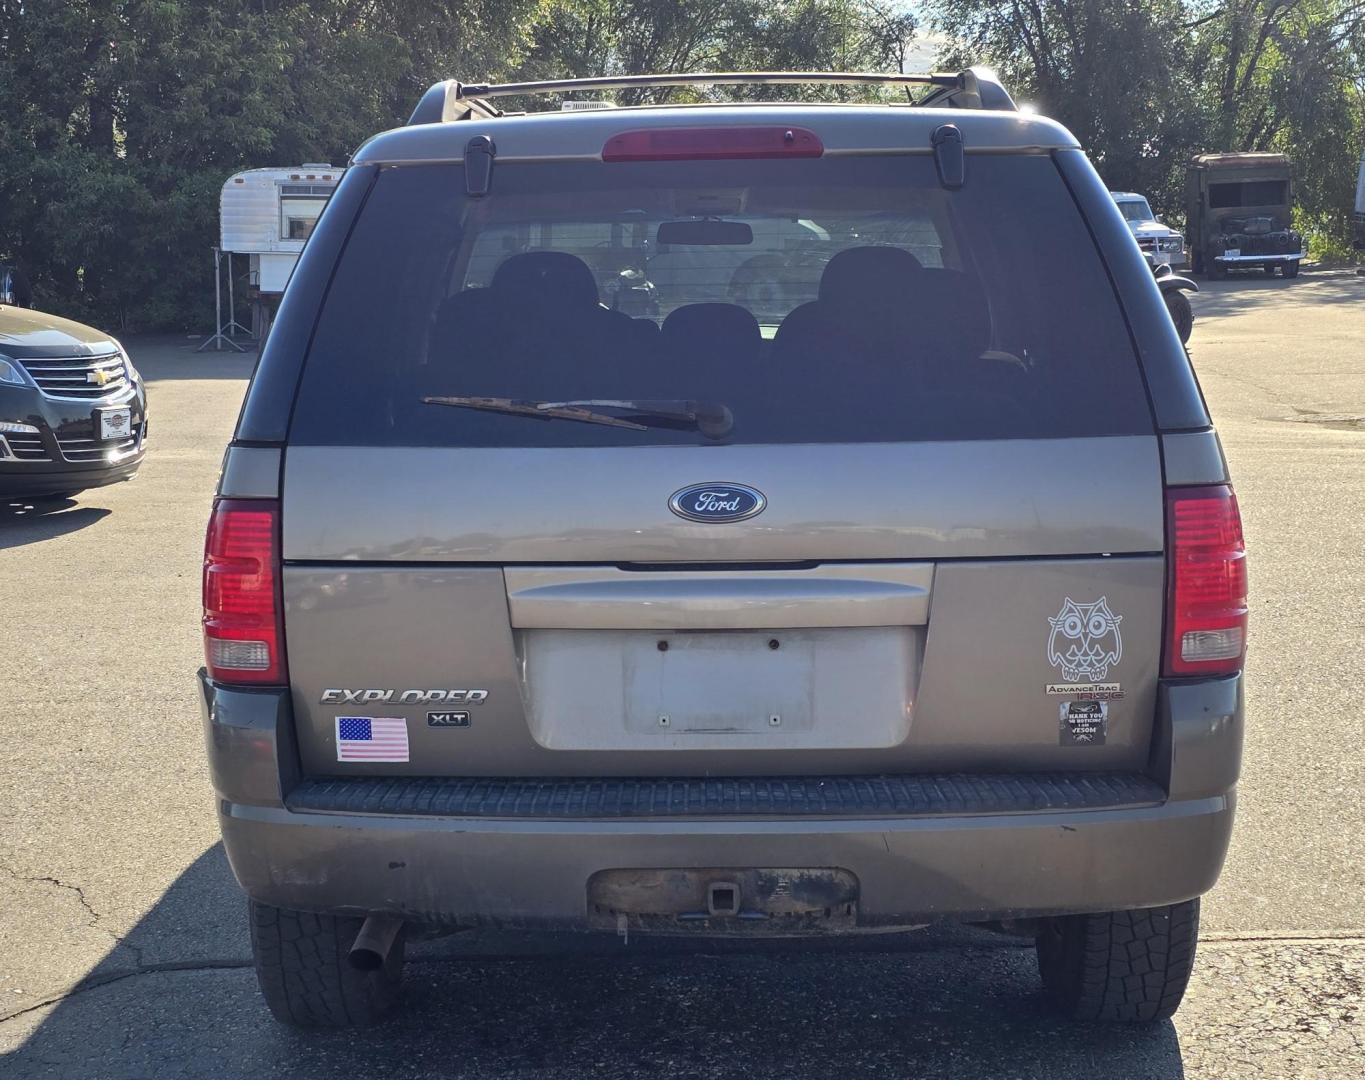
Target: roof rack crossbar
<point>975,88</point>
<point>703,78</point>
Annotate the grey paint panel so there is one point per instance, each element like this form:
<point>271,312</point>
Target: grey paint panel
<point>250,472</point>
<point>984,697</point>
<point>848,501</point>
<point>978,699</point>
<point>1194,457</point>
<point>840,127</point>
<point>606,598</point>
<point>535,873</point>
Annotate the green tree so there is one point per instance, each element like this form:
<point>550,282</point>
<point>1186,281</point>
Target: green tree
<point>122,118</point>
<point>1144,84</point>
<point>1117,73</point>
<point>597,37</point>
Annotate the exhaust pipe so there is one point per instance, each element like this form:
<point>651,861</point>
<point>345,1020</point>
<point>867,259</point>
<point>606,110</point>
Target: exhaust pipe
<point>372,946</point>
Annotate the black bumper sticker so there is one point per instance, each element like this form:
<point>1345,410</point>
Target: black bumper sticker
<point>1084,723</point>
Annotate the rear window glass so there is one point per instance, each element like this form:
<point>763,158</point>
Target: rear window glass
<point>842,299</point>
<point>1251,193</point>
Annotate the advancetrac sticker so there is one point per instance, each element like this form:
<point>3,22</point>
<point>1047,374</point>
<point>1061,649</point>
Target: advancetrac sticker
<point>1083,723</point>
<point>1094,691</point>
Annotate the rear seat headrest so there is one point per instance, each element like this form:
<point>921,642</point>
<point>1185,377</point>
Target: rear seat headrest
<point>867,276</point>
<point>554,276</point>
<point>715,322</point>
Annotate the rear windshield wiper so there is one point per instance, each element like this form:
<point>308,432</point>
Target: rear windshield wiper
<point>710,418</point>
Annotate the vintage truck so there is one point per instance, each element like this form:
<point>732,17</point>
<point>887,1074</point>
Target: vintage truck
<point>1160,244</point>
<point>1238,214</point>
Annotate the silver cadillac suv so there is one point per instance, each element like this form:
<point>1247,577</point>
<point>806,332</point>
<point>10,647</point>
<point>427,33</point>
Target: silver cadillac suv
<point>724,519</point>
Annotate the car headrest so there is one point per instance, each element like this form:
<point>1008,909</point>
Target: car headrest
<point>549,276</point>
<point>714,323</point>
<point>865,277</point>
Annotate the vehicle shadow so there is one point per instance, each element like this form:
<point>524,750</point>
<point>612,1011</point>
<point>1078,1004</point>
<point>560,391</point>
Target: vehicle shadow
<point>1250,290</point>
<point>177,998</point>
<point>29,521</point>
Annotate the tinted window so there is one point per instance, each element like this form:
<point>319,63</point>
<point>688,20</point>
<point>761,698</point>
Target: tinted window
<point>844,299</point>
<point>1251,193</point>
<point>1136,210</point>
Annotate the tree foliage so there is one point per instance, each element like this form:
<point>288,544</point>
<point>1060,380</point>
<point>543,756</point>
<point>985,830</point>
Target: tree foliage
<point>122,118</point>
<point>1144,85</point>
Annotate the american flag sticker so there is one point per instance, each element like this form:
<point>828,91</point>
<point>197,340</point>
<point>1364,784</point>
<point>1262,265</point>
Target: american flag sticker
<point>371,738</point>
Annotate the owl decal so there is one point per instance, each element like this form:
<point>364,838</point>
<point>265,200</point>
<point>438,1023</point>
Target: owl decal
<point>1085,641</point>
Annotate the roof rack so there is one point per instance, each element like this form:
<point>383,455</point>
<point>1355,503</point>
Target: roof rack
<point>974,88</point>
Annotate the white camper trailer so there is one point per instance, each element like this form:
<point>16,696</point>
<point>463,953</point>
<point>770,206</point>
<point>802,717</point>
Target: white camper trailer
<point>267,214</point>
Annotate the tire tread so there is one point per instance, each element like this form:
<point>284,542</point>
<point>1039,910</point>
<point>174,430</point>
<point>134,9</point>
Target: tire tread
<point>303,971</point>
<point>1120,966</point>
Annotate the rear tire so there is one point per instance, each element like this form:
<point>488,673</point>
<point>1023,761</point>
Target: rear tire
<point>1178,304</point>
<point>1217,271</point>
<point>1119,966</point>
<point>1290,269</point>
<point>305,976</point>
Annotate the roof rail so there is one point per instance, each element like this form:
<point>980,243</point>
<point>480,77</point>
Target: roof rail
<point>975,88</point>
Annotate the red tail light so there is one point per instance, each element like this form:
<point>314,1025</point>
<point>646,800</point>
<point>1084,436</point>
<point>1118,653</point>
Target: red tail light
<point>713,144</point>
<point>1206,614</point>
<point>243,617</point>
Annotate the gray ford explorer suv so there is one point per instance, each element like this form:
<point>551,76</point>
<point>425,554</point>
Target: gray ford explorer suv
<point>724,519</point>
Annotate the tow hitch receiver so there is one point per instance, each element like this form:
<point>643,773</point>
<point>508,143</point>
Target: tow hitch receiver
<point>725,900</point>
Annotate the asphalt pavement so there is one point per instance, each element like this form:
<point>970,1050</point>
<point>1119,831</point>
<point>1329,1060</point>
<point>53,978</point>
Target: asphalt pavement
<point>123,945</point>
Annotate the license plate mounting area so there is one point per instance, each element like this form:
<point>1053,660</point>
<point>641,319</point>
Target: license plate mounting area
<point>114,424</point>
<point>720,690</point>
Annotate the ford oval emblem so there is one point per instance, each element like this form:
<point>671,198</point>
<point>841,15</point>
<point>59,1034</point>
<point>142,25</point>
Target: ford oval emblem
<point>717,503</point>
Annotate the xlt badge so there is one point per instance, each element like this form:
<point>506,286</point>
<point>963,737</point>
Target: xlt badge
<point>447,719</point>
<point>404,697</point>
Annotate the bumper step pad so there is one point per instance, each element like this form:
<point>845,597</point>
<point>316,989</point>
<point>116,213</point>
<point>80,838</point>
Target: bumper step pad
<point>944,794</point>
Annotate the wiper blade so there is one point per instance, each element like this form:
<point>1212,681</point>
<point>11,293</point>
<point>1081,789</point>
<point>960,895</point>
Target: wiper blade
<point>535,409</point>
<point>712,419</point>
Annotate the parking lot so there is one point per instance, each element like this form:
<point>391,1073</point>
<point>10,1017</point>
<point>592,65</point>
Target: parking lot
<point>123,947</point>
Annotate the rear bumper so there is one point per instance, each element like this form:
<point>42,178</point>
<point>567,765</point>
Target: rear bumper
<point>1238,260</point>
<point>911,864</point>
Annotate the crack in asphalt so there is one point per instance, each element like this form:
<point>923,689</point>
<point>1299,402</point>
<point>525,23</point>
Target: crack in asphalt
<point>118,975</point>
<point>96,919</point>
